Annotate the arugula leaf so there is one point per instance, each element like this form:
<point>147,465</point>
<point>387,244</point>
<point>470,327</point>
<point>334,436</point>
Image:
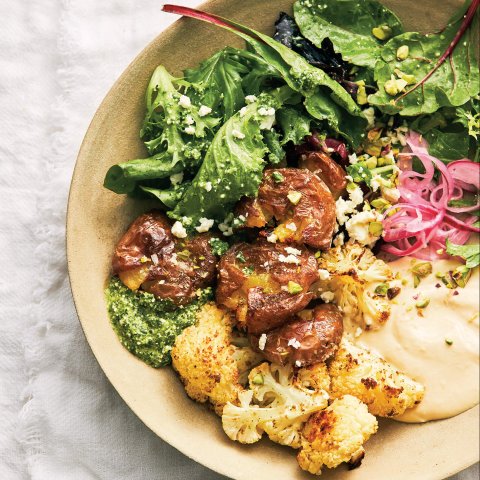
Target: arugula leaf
<point>348,24</point>
<point>232,167</point>
<point>451,83</point>
<point>469,117</point>
<point>470,253</point>
<point>170,196</point>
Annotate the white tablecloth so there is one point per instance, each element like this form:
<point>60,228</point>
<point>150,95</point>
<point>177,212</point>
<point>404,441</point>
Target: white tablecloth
<point>60,418</point>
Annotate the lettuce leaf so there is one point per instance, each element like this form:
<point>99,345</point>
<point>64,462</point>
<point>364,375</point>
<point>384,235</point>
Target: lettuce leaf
<point>348,24</point>
<point>233,165</point>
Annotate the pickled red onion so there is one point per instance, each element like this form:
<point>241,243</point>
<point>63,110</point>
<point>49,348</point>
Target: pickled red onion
<point>423,219</point>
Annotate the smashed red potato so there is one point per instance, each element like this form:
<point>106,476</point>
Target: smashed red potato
<point>257,280</point>
<point>329,171</point>
<point>149,257</point>
<point>299,201</point>
<point>313,336</point>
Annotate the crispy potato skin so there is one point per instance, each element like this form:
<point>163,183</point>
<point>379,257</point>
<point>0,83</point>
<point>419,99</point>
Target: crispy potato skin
<point>313,216</point>
<point>332,174</point>
<point>318,333</point>
<point>183,266</point>
<point>257,295</point>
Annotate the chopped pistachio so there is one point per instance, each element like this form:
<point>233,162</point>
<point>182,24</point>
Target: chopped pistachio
<point>240,257</point>
<point>371,162</point>
<point>277,177</point>
<point>294,288</point>
<point>422,269</point>
<point>461,275</point>
<point>248,270</point>
<point>416,281</point>
<point>449,341</point>
<point>384,32</point>
<point>144,259</point>
<point>439,275</point>
<point>394,86</point>
<point>318,254</point>
<point>294,197</point>
<point>449,281</point>
<point>375,228</point>
<point>362,98</point>
<point>257,379</point>
<point>382,289</point>
<point>380,203</point>
<point>402,52</point>
<point>410,79</point>
<point>423,303</point>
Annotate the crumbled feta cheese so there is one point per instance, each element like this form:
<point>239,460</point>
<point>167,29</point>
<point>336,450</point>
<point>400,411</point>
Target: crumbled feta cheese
<point>288,259</point>
<point>376,182</point>
<point>352,159</point>
<point>238,134</point>
<point>176,178</point>
<point>272,238</point>
<point>327,297</point>
<point>266,112</point>
<point>185,102</point>
<point>342,209</point>
<point>358,227</point>
<point>154,258</point>
<point>190,130</point>
<point>208,186</point>
<point>339,240</point>
<point>189,120</point>
<point>173,258</point>
<point>178,230</point>
<point>369,114</point>
<point>243,112</point>
<point>291,226</point>
<point>293,342</point>
<point>204,111</point>
<point>293,251</point>
<point>205,225</point>
<point>358,332</point>
<point>262,341</point>
<point>162,282</point>
<point>266,265</point>
<point>250,98</point>
<point>356,196</point>
<point>298,363</point>
<point>323,274</point>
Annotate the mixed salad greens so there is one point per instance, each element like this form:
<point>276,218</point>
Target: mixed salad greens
<point>347,78</point>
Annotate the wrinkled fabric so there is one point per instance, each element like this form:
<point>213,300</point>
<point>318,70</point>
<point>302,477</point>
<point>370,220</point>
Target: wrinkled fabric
<point>59,416</point>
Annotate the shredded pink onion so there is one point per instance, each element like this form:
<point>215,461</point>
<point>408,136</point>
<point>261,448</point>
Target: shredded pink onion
<point>423,219</point>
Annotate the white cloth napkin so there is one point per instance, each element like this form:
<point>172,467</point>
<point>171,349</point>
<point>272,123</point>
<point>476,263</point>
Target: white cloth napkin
<point>60,418</point>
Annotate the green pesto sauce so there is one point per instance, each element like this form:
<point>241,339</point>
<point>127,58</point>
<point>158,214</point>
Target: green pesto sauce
<point>147,326</point>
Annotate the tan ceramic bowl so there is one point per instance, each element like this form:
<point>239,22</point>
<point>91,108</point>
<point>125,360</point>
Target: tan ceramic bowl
<point>97,218</point>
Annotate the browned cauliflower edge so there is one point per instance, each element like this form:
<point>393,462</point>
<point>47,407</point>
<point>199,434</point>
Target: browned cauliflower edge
<point>336,435</point>
<point>363,374</point>
<point>209,365</point>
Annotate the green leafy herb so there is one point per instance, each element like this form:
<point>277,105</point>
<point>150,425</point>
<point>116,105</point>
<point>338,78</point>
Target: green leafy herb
<point>240,257</point>
<point>295,124</point>
<point>219,247</point>
<point>470,253</point>
<point>349,25</point>
<point>439,83</point>
<point>248,270</point>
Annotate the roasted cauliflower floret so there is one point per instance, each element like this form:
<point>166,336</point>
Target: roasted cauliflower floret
<point>336,435</point>
<point>354,277</point>
<point>386,391</point>
<point>209,365</point>
<point>314,377</point>
<point>275,404</point>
